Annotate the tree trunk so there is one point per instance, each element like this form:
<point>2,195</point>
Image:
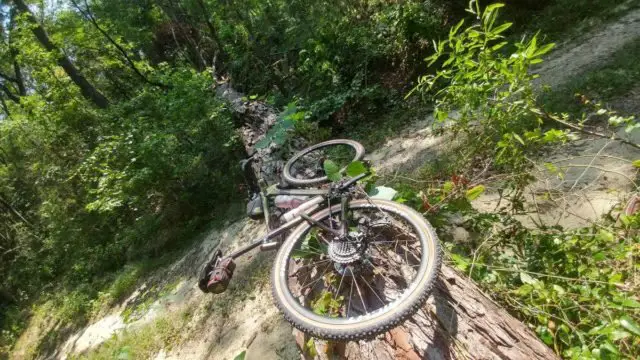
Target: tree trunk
<point>86,88</point>
<point>458,321</point>
<point>255,119</point>
<point>213,32</point>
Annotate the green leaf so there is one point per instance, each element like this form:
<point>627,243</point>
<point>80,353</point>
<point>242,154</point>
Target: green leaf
<point>475,192</point>
<point>501,28</point>
<point>636,163</point>
<point>618,335</point>
<point>240,356</point>
<point>630,303</point>
<point>455,29</point>
<point>615,120</point>
<point>559,289</point>
<point>518,138</point>
<point>492,7</point>
<point>544,49</point>
<point>310,346</point>
<point>441,115</point>
<point>615,278</point>
<point>277,134</point>
<point>124,353</point>
<point>631,127</point>
<point>461,263</point>
<point>499,46</point>
<point>524,290</point>
<point>545,334</point>
<point>332,170</point>
<point>608,347</point>
<point>383,193</point>
<point>526,278</point>
<point>356,168</point>
<point>605,235</point>
<point>447,186</point>
<point>628,323</point>
<point>554,135</point>
<point>551,167</point>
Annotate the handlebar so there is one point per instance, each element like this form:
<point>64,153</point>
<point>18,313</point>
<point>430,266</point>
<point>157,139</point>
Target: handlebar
<point>349,183</point>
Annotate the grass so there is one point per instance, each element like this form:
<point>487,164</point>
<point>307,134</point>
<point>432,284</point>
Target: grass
<point>144,342</point>
<point>616,78</point>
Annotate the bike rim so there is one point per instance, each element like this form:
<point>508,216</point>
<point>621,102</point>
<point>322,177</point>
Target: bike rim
<point>337,290</point>
<point>310,165</point>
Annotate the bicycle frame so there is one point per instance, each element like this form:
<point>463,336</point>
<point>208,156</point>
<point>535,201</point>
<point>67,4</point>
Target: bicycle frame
<point>325,193</point>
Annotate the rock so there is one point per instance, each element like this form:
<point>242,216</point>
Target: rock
<point>460,235</point>
<point>455,219</point>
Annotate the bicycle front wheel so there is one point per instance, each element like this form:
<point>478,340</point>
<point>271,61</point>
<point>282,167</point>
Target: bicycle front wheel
<point>306,167</point>
<point>360,285</point>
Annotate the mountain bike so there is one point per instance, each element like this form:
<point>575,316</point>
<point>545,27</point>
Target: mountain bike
<point>352,266</point>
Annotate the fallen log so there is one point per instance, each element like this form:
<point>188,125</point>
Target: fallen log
<point>458,321</point>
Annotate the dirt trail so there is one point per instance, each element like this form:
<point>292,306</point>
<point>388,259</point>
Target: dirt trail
<point>590,50</point>
<point>254,324</point>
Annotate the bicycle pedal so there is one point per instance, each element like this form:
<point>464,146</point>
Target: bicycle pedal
<point>221,275</point>
<point>203,279</point>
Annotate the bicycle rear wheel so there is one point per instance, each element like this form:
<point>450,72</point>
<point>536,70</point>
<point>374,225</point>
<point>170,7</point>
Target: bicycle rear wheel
<point>360,285</point>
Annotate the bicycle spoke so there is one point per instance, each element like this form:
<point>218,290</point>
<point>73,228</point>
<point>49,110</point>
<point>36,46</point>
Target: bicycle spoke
<point>308,265</point>
<point>380,257</point>
<point>372,289</point>
<point>339,286</point>
<point>389,241</point>
<point>350,294</point>
<point>316,280</point>
<point>359,292</point>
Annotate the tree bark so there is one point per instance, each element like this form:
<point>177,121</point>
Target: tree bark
<point>86,88</point>
<point>10,95</point>
<point>213,32</point>
<point>458,321</point>
<point>255,119</point>
<point>19,79</point>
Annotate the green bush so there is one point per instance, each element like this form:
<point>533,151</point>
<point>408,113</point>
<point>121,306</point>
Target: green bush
<point>116,185</point>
